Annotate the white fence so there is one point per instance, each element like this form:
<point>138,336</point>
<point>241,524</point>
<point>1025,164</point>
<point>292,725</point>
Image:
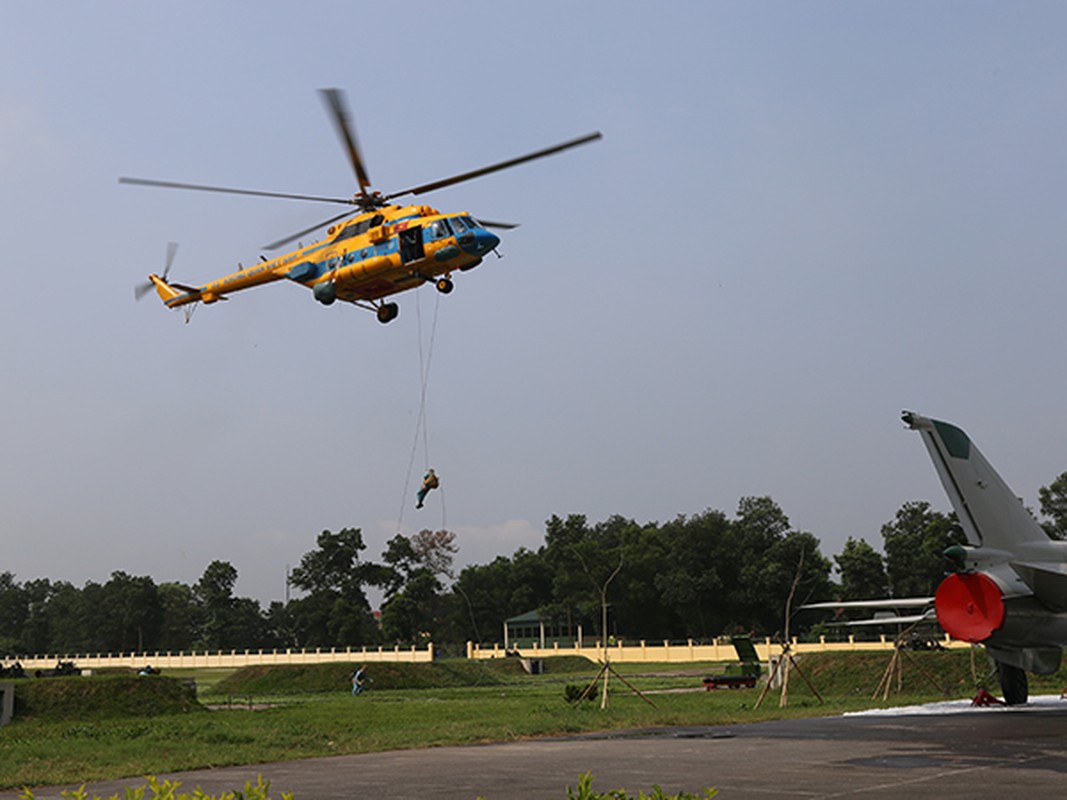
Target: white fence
<point>688,651</point>
<point>635,652</point>
<point>230,660</point>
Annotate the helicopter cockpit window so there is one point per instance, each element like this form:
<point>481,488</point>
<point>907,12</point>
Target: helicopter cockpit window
<point>459,225</point>
<point>437,230</point>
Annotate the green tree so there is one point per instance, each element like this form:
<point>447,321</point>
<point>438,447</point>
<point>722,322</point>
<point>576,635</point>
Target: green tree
<point>249,628</point>
<point>35,636</point>
<point>862,571</point>
<point>414,606</point>
<point>485,590</point>
<point>400,561</point>
<point>581,559</point>
<point>914,543</point>
<point>640,611</point>
<point>281,625</point>
<point>801,574</point>
<point>410,615</point>
<point>436,550</point>
<point>214,596</point>
<point>72,625</point>
<point>572,597</point>
<point>132,613</point>
<point>754,583</point>
<point>180,617</point>
<point>335,611</point>
<point>505,587</point>
<point>690,579</point>
<point>1054,506</point>
<point>13,612</point>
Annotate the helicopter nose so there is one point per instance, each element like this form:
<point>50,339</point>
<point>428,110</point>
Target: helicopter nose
<point>478,242</point>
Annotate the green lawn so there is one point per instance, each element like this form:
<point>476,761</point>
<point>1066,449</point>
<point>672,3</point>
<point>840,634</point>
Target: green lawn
<point>496,704</point>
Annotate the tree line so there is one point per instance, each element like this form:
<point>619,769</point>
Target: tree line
<point>693,577</point>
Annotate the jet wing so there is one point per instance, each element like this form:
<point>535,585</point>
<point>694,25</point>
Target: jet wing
<point>889,619</point>
<point>891,602</point>
<point>885,611</point>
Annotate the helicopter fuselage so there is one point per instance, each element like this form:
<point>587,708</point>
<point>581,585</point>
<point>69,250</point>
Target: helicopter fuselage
<point>373,255</point>
<point>374,251</point>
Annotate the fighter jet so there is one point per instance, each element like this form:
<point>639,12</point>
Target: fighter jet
<point>1007,588</point>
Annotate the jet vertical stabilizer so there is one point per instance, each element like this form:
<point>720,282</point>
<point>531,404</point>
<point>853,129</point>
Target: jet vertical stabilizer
<point>1009,588</point>
<point>989,512</point>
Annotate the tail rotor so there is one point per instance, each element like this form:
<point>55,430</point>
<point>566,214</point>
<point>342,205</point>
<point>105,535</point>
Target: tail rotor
<point>141,289</point>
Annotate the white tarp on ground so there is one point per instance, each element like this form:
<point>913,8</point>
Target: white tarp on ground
<point>1047,702</point>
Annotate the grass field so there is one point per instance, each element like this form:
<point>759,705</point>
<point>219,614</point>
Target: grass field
<point>309,711</point>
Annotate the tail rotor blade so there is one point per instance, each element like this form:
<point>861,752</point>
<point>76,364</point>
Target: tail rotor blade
<point>172,250</point>
<point>141,289</point>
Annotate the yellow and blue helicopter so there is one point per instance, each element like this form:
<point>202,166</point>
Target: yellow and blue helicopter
<point>384,249</point>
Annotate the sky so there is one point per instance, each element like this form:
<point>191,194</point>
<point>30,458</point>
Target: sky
<point>802,219</point>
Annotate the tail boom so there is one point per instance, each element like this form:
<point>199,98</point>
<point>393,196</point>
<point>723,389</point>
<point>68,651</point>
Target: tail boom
<point>174,295</point>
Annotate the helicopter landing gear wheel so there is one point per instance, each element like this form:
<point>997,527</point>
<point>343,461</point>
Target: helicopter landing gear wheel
<point>444,285</point>
<point>387,312</point>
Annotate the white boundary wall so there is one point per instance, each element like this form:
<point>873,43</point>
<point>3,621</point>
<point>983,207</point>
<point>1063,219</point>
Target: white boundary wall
<point>634,652</point>
<point>223,660</point>
<point>682,652</point>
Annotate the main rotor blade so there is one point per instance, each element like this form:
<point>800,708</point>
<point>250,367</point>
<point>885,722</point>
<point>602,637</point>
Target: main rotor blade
<point>504,226</point>
<point>342,120</point>
<point>312,229</point>
<point>514,162</point>
<point>224,190</point>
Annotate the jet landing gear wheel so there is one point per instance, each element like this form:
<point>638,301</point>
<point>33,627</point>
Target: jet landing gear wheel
<point>444,285</point>
<point>1013,684</point>
<point>387,312</point>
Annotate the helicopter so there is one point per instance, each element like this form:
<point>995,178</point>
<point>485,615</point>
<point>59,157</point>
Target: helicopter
<point>371,252</point>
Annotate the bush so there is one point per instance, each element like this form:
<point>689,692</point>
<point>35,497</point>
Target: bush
<point>103,697</point>
<point>585,792</point>
<point>168,790</point>
<point>572,692</point>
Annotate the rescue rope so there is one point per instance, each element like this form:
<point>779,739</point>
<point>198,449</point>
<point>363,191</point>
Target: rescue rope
<point>421,425</point>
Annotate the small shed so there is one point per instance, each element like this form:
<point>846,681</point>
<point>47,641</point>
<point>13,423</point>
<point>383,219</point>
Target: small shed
<point>532,629</point>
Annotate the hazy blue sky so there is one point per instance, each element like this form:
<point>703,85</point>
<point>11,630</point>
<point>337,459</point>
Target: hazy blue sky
<point>803,218</point>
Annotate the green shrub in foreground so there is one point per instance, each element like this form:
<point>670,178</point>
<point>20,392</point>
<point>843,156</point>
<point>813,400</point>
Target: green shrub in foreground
<point>585,791</point>
<point>168,790</point>
<point>260,790</point>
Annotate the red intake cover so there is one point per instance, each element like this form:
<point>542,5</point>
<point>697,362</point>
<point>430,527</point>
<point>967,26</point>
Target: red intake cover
<point>969,606</point>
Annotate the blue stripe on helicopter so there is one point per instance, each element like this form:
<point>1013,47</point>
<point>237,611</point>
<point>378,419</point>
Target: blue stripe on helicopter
<point>309,270</point>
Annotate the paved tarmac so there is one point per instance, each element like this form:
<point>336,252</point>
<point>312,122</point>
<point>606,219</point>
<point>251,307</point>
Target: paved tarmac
<point>947,753</point>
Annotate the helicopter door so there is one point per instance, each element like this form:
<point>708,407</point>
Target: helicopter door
<point>411,244</point>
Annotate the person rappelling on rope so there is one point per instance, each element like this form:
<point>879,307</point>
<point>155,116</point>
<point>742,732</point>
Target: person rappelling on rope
<point>429,481</point>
